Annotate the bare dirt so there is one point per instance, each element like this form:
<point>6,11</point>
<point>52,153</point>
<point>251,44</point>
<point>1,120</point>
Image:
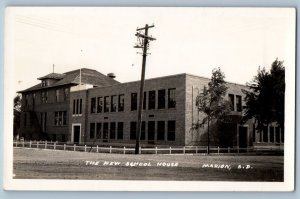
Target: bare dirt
<point>50,164</point>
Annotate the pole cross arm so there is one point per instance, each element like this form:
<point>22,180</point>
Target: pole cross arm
<point>144,36</point>
<point>146,27</point>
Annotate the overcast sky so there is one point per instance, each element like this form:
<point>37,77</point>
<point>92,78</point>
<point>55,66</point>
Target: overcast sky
<point>189,40</point>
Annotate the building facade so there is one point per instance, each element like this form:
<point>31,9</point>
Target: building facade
<point>107,114</point>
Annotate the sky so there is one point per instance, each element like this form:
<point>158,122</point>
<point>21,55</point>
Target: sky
<point>189,40</point>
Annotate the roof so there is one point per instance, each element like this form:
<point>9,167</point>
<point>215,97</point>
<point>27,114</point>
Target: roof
<point>88,76</point>
<point>52,76</point>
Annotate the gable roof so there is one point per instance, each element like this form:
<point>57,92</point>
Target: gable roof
<point>88,76</point>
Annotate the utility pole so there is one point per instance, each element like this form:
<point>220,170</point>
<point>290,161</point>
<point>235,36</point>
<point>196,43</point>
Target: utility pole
<point>143,43</point>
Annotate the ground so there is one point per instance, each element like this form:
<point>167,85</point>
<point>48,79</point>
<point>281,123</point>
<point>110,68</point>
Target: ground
<point>51,164</point>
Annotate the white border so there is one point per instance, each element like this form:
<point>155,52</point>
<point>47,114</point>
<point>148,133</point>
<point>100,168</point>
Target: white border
<point>118,185</point>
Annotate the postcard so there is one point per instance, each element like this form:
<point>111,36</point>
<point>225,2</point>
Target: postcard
<point>149,99</point>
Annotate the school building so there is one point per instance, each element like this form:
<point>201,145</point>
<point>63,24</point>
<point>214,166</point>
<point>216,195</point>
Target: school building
<point>87,107</point>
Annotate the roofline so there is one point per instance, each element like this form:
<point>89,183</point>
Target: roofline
<point>41,88</point>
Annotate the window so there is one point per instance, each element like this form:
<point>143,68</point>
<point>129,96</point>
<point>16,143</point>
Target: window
<point>92,130</point>
<point>105,131</point>
<point>80,106</point>
<point>161,99</point>
<point>171,130</point>
<point>161,130</point>
<point>151,101</point>
<point>133,101</point>
<point>93,105</point>
<point>60,118</point>
<point>44,83</point>
<point>121,103</point>
<point>44,97</point>
<point>99,104</point>
<point>143,131</point>
<point>57,95</point>
<point>106,104</point>
<point>238,103</point>
<point>171,98</point>
<point>151,131</point>
<point>74,107</point>
<point>113,103</point>
<point>120,130</point>
<point>66,93</point>
<point>33,99</point>
<point>77,106</point>
<point>145,100</point>
<point>112,130</point>
<point>132,130</point>
<point>98,130</point>
<point>231,100</point>
<point>26,99</point>
<point>265,134</point>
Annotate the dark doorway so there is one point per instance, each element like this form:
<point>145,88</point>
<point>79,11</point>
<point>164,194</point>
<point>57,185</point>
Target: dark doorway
<point>76,131</point>
<point>243,132</point>
<point>151,132</point>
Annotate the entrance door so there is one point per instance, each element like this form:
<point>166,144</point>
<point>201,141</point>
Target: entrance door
<point>76,133</point>
<point>151,132</point>
<point>243,133</point>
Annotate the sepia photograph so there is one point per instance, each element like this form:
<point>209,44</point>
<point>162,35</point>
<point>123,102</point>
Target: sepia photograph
<point>132,98</point>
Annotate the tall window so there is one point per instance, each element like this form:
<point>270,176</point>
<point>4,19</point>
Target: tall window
<point>231,100</point>
<point>133,130</point>
<point>120,130</point>
<point>151,101</point>
<point>106,104</point>
<point>93,105</point>
<point>161,99</point>
<point>161,130</point>
<point>113,103</point>
<point>238,103</point>
<point>265,134</point>
<point>121,103</point>
<point>112,130</point>
<point>100,104</point>
<point>66,94</point>
<point>105,131</point>
<point>44,97</point>
<point>133,101</point>
<point>143,131</point>
<point>145,100</point>
<point>74,107</point>
<point>57,95</point>
<point>26,99</point>
<point>92,130</point>
<point>171,130</point>
<point>80,106</point>
<point>171,98</point>
<point>98,130</point>
<point>60,118</point>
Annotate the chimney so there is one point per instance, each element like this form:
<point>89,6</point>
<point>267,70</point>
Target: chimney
<point>111,75</point>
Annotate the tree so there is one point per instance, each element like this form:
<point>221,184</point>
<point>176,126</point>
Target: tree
<point>211,101</point>
<point>265,100</point>
<point>17,114</point>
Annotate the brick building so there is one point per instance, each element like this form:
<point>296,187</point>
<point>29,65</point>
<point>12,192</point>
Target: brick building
<point>103,111</point>
<point>45,106</point>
